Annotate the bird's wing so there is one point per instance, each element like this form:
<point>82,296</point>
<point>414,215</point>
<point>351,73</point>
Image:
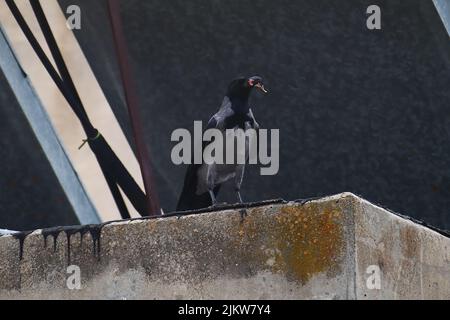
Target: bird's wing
<point>218,121</point>
<point>189,199</point>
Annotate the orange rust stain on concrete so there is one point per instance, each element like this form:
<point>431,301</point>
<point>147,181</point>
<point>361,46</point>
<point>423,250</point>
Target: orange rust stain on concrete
<point>152,226</point>
<point>310,247</point>
<point>297,241</point>
<point>410,241</point>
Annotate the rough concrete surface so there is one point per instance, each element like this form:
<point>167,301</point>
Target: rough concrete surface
<point>318,250</point>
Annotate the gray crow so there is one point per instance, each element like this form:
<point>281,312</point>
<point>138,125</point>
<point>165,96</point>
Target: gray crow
<point>202,181</point>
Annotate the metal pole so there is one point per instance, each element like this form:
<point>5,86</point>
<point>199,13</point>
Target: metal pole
<point>46,135</point>
<point>132,103</point>
<point>443,8</point>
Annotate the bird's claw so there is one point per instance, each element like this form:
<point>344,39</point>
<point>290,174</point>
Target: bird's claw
<point>302,202</point>
<point>218,205</point>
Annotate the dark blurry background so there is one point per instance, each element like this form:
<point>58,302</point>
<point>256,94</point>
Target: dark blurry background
<point>358,110</point>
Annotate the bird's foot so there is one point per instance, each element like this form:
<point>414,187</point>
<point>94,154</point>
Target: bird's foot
<point>307,200</point>
<point>218,205</point>
<point>302,202</point>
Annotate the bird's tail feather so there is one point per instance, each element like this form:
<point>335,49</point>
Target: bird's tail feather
<point>192,201</point>
<point>189,199</point>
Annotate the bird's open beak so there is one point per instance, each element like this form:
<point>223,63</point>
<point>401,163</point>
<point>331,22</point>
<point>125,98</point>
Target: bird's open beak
<point>261,88</point>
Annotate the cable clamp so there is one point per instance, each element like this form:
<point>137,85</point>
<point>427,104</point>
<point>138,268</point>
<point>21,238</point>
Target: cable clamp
<point>90,139</point>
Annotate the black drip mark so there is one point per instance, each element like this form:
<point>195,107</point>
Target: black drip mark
<point>69,234</point>
<point>68,247</point>
<point>82,232</point>
<point>55,237</point>
<point>21,236</point>
<point>54,232</point>
<point>94,230</point>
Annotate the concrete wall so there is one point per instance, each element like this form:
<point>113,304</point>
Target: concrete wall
<point>317,250</point>
<point>415,261</point>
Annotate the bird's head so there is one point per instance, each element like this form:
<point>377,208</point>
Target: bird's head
<point>242,87</point>
<point>256,82</point>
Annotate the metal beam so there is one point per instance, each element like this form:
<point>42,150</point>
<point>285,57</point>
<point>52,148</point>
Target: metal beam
<point>153,206</point>
<point>443,8</point>
<point>45,134</point>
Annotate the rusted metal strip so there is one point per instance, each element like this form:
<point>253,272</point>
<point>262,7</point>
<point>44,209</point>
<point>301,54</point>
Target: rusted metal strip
<point>132,104</point>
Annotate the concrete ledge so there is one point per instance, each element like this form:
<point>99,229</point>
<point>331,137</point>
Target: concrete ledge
<point>322,249</point>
